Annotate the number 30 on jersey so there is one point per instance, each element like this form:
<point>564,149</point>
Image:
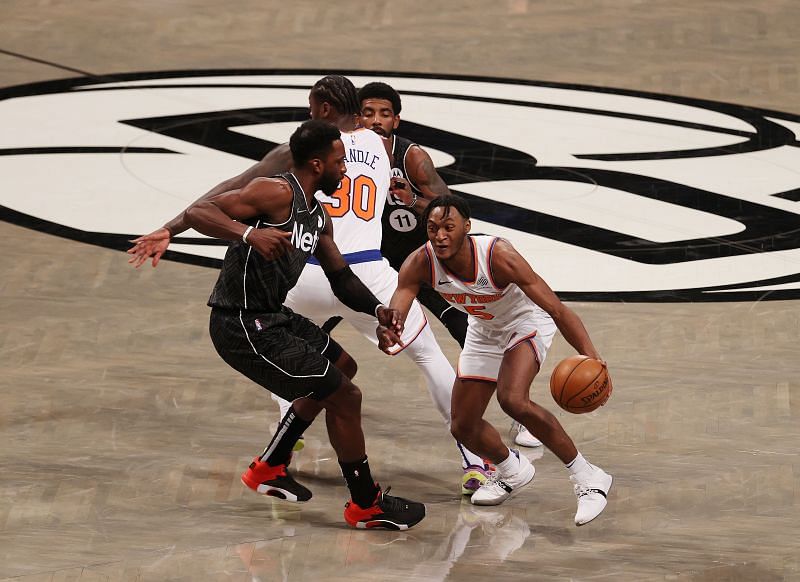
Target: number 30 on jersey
<point>357,195</point>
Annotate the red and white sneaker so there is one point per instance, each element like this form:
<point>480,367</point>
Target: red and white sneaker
<point>388,512</point>
<point>274,481</point>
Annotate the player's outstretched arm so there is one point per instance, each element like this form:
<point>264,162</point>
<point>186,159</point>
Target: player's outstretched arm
<point>508,266</point>
<point>155,244</point>
<point>346,285</point>
<point>220,217</point>
<point>414,270</point>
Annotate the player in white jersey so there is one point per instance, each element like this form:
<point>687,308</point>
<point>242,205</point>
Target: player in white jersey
<point>356,209</point>
<point>513,315</point>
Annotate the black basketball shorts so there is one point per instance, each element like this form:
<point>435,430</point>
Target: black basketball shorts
<point>284,352</point>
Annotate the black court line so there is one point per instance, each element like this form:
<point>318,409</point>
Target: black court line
<point>51,64</point>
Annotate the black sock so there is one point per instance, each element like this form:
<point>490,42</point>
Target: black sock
<point>290,428</point>
<point>363,490</point>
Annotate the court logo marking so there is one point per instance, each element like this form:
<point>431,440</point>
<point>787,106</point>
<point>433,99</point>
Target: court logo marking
<point>611,194</point>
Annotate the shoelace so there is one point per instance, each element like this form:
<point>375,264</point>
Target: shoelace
<point>493,480</point>
<point>392,503</point>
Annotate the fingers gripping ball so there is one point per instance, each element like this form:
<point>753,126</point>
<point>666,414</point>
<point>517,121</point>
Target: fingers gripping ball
<point>580,384</point>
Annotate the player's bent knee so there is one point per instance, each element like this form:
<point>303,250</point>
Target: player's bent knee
<point>513,406</point>
<point>347,365</point>
<point>347,397</point>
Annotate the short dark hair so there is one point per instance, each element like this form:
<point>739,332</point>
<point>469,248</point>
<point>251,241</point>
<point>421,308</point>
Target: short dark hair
<point>447,201</point>
<point>340,92</point>
<point>313,139</point>
<point>378,90</point>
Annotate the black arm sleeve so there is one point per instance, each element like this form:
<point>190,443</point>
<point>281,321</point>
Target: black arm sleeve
<point>349,289</point>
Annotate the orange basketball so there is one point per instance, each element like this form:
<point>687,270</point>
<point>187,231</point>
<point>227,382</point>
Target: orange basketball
<point>580,384</point>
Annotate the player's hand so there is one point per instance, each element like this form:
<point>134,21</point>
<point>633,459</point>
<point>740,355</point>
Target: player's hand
<point>598,357</point>
<point>387,338</point>
<point>390,318</point>
<point>401,190</point>
<point>150,245</point>
<point>270,243</point>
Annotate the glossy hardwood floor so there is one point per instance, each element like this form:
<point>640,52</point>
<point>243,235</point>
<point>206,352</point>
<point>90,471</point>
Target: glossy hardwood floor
<point>124,434</point>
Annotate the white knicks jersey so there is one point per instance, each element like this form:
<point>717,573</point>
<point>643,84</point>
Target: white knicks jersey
<point>487,305</point>
<point>357,206</point>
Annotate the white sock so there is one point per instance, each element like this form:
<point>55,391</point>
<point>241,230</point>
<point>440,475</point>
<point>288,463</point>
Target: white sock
<point>577,465</point>
<point>510,466</point>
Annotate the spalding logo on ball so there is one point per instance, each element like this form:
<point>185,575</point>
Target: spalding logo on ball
<point>580,384</point>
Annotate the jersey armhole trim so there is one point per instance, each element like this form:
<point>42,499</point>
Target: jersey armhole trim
<point>428,253</point>
<point>489,264</point>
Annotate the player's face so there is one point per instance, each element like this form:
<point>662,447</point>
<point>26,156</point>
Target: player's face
<point>333,170</point>
<point>378,115</point>
<point>447,231</point>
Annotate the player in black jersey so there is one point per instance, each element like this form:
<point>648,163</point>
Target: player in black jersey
<point>334,98</point>
<point>403,231</point>
<point>275,225</point>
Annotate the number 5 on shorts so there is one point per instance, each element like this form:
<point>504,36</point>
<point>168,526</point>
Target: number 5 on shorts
<point>478,311</point>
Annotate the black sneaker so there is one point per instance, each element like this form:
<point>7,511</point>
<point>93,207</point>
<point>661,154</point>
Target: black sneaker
<point>388,512</point>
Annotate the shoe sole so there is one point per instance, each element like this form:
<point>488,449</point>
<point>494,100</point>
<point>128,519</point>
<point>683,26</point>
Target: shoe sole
<point>610,483</point>
<point>386,524</point>
<point>275,492</point>
<point>514,491</point>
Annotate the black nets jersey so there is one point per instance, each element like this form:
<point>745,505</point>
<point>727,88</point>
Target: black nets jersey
<point>249,281</point>
<point>403,231</point>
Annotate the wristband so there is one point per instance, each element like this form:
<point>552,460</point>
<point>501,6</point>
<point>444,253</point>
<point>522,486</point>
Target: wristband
<point>377,307</point>
<point>414,201</point>
<point>246,232</point>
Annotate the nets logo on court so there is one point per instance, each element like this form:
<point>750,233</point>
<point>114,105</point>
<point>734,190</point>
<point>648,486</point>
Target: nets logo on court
<point>611,194</point>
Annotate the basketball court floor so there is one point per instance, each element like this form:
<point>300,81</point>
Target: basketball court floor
<point>642,155</point>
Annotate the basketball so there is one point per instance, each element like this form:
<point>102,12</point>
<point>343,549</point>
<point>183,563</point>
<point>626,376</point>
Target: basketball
<point>580,384</point>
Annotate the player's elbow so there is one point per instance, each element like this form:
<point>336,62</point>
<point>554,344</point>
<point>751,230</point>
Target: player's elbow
<point>192,215</point>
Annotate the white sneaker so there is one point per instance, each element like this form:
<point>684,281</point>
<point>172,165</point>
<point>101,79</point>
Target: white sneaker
<point>523,437</point>
<point>497,489</point>
<point>591,488</point>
